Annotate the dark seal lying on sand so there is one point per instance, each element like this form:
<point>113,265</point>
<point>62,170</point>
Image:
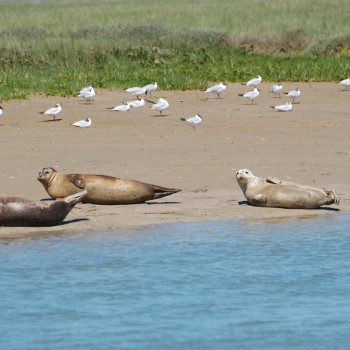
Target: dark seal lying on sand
<point>15,211</point>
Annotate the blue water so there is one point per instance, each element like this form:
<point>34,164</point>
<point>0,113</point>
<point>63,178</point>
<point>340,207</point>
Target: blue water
<point>219,285</point>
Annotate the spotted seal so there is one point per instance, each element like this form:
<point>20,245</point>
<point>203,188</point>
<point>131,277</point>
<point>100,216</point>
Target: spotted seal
<point>16,211</point>
<point>101,189</point>
<point>272,192</point>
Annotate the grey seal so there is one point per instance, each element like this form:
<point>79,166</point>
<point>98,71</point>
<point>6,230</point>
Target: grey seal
<point>17,211</point>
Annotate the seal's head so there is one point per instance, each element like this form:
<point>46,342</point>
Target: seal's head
<point>45,176</point>
<point>243,176</point>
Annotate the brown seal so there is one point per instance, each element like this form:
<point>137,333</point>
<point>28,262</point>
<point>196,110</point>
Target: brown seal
<point>101,189</point>
<point>15,211</point>
<point>272,192</point>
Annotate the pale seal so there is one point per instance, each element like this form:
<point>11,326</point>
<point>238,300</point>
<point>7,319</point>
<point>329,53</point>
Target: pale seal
<point>101,189</point>
<point>15,211</point>
<point>272,192</point>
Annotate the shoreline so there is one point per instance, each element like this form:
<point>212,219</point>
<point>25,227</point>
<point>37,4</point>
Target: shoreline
<point>309,145</point>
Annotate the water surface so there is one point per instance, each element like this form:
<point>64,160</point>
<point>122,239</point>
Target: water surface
<point>218,285</point>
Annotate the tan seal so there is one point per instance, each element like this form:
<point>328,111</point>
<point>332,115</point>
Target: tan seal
<point>16,211</point>
<point>272,192</point>
<point>101,189</point>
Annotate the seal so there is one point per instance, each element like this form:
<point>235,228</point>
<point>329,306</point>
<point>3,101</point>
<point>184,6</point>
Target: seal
<point>16,211</point>
<point>101,189</point>
<point>272,192</point>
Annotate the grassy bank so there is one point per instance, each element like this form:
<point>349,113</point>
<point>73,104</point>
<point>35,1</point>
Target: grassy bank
<point>56,47</point>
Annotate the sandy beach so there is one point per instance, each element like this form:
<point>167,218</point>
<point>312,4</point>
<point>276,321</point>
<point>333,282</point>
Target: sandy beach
<point>309,145</point>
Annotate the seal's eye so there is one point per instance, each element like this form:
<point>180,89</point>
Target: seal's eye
<point>246,172</point>
<point>46,172</point>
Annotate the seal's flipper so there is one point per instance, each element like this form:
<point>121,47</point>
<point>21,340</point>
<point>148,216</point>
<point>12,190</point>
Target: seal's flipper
<point>333,196</point>
<point>77,181</point>
<point>273,180</point>
<point>259,199</point>
<point>160,192</point>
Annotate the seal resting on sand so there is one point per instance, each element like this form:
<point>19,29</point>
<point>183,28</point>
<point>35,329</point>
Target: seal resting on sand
<point>101,189</point>
<point>272,192</point>
<point>16,211</point>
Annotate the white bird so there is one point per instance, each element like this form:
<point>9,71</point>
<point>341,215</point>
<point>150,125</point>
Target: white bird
<point>276,89</point>
<point>83,123</point>
<point>137,103</point>
<point>136,91</point>
<point>217,89</point>
<point>160,105</point>
<point>151,87</point>
<point>1,111</point>
<point>84,90</point>
<point>53,111</point>
<point>88,93</point>
<point>251,94</point>
<point>197,119</point>
<point>293,94</point>
<point>121,108</point>
<point>283,108</point>
<point>346,83</point>
<point>254,82</point>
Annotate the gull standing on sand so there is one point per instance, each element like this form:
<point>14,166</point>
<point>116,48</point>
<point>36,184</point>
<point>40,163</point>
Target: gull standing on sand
<point>276,89</point>
<point>121,108</point>
<point>137,103</point>
<point>293,94</point>
<point>251,94</point>
<point>151,87</point>
<point>160,105</point>
<point>197,119</point>
<point>217,89</point>
<point>88,93</point>
<point>83,123</point>
<point>53,111</point>
<point>137,91</point>
<point>254,82</point>
<point>346,83</point>
<point>1,111</point>
<point>283,108</point>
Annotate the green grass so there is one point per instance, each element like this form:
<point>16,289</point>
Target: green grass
<point>57,47</point>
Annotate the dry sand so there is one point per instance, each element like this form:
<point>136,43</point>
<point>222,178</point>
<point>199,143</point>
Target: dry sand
<point>309,145</point>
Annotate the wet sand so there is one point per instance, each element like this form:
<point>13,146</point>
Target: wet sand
<point>309,145</point>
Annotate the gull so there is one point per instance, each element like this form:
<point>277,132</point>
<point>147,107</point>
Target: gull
<point>293,94</point>
<point>137,103</point>
<point>283,108</point>
<point>53,111</point>
<point>83,123</point>
<point>197,119</point>
<point>346,83</point>
<point>160,105</point>
<point>151,87</point>
<point>84,90</point>
<point>88,93</point>
<point>1,111</point>
<point>122,108</point>
<point>217,89</point>
<point>254,82</point>
<point>276,89</point>
<point>136,91</point>
<point>251,94</point>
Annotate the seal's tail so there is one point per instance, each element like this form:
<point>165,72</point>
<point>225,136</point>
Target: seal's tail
<point>160,192</point>
<point>333,197</point>
<point>75,198</point>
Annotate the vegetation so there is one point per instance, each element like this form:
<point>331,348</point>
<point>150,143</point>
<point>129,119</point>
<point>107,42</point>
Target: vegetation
<point>57,47</point>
